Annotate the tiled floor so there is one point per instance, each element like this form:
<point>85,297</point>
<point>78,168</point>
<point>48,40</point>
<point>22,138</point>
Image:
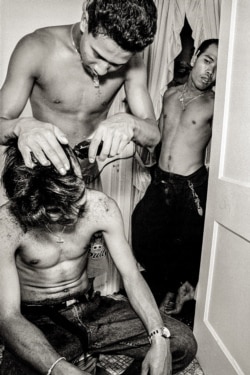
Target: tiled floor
<point>193,369</point>
<point>135,369</point>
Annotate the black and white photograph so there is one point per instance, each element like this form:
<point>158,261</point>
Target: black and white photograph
<point>125,187</point>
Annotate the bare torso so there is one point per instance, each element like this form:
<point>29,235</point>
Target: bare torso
<point>47,269</point>
<point>63,92</point>
<point>185,133</point>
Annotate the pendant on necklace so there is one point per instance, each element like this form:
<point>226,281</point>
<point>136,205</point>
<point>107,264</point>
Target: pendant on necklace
<point>181,99</point>
<point>96,81</point>
<point>60,240</point>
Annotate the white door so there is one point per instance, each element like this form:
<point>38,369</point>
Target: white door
<point>222,321</point>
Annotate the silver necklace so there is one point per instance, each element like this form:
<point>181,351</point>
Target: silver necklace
<point>58,237</point>
<point>94,75</point>
<point>182,97</point>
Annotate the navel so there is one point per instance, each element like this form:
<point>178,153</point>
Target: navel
<point>34,261</point>
<point>57,101</point>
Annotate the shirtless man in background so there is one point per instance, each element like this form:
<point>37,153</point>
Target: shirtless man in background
<point>167,224</point>
<point>71,75</point>
<point>48,315</point>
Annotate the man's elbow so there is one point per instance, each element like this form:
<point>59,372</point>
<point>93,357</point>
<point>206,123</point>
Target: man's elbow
<point>156,135</point>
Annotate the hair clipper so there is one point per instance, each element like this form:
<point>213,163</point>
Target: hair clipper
<point>82,149</point>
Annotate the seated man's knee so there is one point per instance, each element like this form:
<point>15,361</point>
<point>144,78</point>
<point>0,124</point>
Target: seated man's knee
<point>182,342</point>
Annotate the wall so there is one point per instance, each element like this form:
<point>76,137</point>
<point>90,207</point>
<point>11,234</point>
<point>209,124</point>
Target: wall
<point>21,17</point>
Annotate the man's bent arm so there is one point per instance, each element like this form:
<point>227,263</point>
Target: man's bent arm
<point>7,129</point>
<point>139,125</point>
<point>33,135</point>
<point>158,359</point>
<point>146,132</point>
<point>27,342</point>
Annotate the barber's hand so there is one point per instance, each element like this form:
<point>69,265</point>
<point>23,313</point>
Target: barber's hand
<point>43,140</point>
<point>158,360</point>
<point>115,132</point>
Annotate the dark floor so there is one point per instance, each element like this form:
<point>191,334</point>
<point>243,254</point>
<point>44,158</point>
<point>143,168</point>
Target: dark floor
<point>187,314</point>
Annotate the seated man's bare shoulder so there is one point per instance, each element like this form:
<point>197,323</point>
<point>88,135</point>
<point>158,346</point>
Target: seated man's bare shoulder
<point>100,206</point>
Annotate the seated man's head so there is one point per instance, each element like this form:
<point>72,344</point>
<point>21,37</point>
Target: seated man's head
<point>42,196</point>
<point>112,31</point>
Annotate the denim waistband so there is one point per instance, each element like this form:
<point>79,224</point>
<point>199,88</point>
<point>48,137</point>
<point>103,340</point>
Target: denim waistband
<point>58,303</point>
<point>161,176</point>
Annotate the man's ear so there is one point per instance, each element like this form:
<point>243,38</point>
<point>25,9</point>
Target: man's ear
<point>85,16</point>
<point>193,60</point>
<point>83,24</point>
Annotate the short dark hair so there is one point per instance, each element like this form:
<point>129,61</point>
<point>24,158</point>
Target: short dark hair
<point>131,24</point>
<point>37,193</point>
<point>205,44</point>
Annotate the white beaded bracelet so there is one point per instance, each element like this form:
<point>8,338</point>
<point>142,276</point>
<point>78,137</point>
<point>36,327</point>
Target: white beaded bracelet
<point>54,364</point>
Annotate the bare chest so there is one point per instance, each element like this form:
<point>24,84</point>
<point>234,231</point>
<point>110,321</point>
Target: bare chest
<point>65,87</point>
<point>41,249</point>
<point>193,120</point>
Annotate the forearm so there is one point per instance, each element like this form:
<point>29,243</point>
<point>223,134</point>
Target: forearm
<point>28,343</point>
<point>143,302</point>
<point>146,132</point>
<point>7,129</point>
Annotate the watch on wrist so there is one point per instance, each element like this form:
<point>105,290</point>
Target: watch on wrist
<point>162,331</point>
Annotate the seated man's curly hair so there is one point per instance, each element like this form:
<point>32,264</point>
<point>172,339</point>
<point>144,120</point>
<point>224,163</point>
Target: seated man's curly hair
<point>131,24</point>
<point>37,194</point>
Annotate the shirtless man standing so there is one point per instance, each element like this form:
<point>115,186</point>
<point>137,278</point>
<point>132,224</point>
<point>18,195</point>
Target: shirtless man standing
<point>48,315</point>
<point>168,222</point>
<point>71,75</point>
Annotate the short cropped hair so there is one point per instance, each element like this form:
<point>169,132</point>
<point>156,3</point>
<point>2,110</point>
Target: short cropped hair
<point>205,44</point>
<point>36,194</point>
<point>131,24</point>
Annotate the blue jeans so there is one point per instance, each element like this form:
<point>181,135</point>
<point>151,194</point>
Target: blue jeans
<point>99,325</point>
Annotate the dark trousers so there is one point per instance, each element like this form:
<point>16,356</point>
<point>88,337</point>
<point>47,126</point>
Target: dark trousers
<point>167,229</point>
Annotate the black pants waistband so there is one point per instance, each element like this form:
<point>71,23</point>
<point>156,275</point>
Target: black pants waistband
<point>159,175</point>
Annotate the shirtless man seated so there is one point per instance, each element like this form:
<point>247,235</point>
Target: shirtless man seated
<point>48,314</point>
<point>168,222</point>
